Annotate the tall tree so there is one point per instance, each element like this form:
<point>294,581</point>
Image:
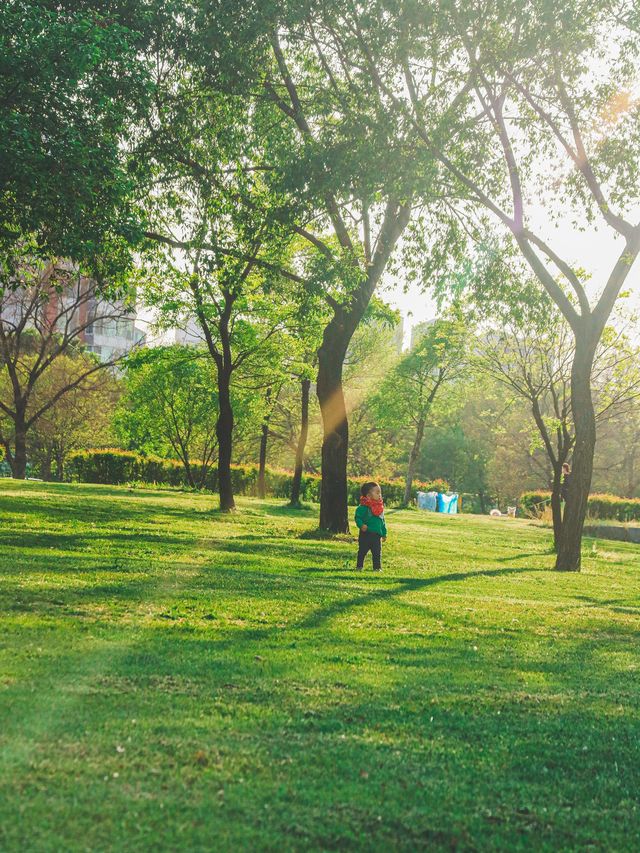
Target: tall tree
<point>218,228</point>
<point>71,85</point>
<point>529,349</point>
<point>82,417</point>
<point>46,312</point>
<point>348,191</point>
<point>341,156</point>
<point>170,407</point>
<point>408,394</point>
<point>546,118</point>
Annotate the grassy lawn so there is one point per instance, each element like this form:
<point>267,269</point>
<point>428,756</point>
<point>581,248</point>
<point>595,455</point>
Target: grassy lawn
<point>173,679</point>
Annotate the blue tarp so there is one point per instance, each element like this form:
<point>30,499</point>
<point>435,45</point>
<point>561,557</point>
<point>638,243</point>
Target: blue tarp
<point>428,501</point>
<point>448,503</point>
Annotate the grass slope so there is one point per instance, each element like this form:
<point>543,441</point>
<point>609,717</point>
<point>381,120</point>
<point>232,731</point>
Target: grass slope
<point>176,679</point>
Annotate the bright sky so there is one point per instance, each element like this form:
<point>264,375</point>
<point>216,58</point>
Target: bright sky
<point>595,251</point>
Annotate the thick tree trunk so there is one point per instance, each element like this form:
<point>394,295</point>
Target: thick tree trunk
<point>302,443</point>
<point>570,543</point>
<point>224,432</point>
<point>335,445</point>
<point>413,459</point>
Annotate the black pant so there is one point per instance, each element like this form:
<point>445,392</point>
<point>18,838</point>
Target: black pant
<point>369,541</point>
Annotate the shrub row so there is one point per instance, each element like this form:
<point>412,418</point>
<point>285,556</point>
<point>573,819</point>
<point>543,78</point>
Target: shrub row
<point>113,467</point>
<point>599,506</point>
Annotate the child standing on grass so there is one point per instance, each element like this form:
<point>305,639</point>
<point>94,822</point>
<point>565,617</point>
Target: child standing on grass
<point>370,521</point>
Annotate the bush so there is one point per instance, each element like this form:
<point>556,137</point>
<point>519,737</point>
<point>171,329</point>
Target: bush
<point>110,467</point>
<point>114,467</point>
<point>599,506</point>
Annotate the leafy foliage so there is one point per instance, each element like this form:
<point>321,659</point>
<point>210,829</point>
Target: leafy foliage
<point>71,88</point>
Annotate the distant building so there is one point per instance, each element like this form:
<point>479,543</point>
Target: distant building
<point>112,336</point>
<point>113,330</point>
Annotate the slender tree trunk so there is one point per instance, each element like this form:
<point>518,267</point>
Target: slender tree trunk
<point>224,432</point>
<point>186,464</point>
<point>19,461</point>
<point>556,503</point>
<point>413,458</point>
<point>569,547</point>
<point>630,460</point>
<point>46,465</point>
<point>264,439</point>
<point>335,445</point>
<point>302,443</point>
<point>60,457</point>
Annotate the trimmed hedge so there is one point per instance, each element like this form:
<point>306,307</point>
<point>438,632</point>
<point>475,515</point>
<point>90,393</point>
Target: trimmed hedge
<point>114,467</point>
<point>599,506</point>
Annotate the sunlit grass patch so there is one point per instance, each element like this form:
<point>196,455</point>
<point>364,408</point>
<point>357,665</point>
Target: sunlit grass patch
<point>173,678</point>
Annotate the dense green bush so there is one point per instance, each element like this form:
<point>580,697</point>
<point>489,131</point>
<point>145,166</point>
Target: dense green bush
<point>599,506</point>
<point>113,467</point>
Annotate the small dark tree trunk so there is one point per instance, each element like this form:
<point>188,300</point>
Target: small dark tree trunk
<point>335,445</point>
<point>19,461</point>
<point>186,464</point>
<point>413,459</point>
<point>224,432</point>
<point>60,457</point>
<point>302,443</point>
<point>570,544</point>
<point>46,465</point>
<point>630,460</point>
<point>556,504</point>
<point>264,440</point>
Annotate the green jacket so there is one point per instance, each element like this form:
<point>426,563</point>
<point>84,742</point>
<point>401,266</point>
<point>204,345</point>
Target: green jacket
<point>375,523</point>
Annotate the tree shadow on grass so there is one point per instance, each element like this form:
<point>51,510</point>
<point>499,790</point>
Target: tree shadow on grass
<point>429,758</point>
<point>237,545</point>
<point>616,605</point>
<point>546,553</point>
<point>83,541</point>
<point>95,510</point>
<point>317,534</point>
<point>400,586</point>
<point>288,511</point>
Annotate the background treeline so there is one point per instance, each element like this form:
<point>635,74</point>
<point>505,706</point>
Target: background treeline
<point>159,409</point>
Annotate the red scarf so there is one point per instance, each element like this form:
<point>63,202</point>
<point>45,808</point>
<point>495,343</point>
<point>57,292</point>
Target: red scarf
<point>376,507</point>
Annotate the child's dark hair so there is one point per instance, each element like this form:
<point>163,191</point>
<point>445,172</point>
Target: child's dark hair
<point>366,488</point>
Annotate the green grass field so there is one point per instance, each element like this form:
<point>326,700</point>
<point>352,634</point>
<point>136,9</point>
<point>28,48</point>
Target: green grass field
<point>174,679</point>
